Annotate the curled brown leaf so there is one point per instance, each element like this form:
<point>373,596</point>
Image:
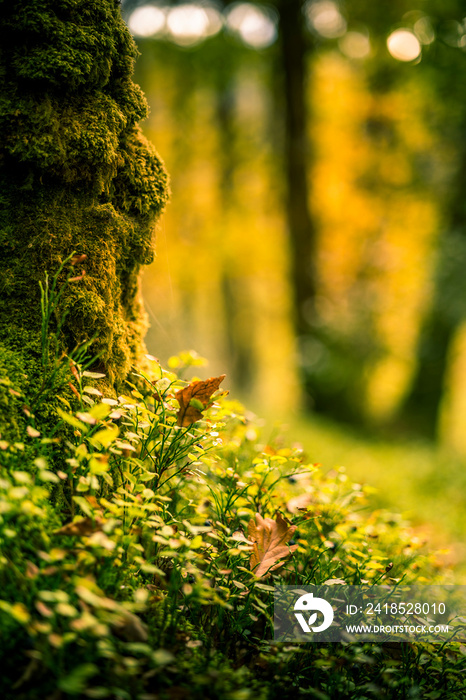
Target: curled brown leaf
<point>195,398</point>
<point>270,544</point>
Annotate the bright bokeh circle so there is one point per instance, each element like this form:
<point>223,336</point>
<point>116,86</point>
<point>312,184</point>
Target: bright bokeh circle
<point>404,45</point>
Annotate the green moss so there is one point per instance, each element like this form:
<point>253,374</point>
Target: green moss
<point>75,175</point>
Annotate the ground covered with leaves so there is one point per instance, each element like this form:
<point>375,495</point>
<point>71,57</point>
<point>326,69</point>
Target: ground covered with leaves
<point>141,537</point>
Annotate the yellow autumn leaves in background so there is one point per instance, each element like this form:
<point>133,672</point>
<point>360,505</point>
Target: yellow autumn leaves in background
<point>220,283</point>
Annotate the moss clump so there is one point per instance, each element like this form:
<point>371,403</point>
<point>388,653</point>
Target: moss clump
<point>75,175</point>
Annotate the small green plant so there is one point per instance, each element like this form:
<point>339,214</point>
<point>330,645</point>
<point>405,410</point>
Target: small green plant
<point>55,364</point>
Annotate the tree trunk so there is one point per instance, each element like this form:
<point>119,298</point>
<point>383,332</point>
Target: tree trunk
<point>421,407</point>
<point>293,50</point>
<point>76,175</point>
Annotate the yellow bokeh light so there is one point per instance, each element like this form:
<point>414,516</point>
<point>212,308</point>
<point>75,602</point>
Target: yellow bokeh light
<point>355,45</point>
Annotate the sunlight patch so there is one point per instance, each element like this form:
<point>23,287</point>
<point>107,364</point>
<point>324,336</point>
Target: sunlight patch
<point>257,27</point>
<point>146,21</point>
<point>191,23</point>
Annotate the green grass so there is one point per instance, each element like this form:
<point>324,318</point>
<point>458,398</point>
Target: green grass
<point>424,482</point>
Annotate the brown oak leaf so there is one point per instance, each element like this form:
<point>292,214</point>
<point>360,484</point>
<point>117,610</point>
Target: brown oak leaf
<point>270,538</point>
<point>195,398</point>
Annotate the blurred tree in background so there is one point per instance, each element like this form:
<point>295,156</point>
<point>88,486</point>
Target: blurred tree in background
<point>315,238</point>
<point>445,69</point>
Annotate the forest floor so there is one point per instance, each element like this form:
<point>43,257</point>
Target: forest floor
<point>424,483</point>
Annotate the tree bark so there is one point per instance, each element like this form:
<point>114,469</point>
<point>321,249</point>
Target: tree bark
<point>76,175</point>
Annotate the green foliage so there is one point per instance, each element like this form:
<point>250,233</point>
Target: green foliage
<point>125,570</point>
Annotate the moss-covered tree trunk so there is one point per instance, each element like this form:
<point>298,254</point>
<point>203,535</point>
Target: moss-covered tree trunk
<point>76,175</point>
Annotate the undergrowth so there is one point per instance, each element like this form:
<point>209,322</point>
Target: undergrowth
<point>125,565</point>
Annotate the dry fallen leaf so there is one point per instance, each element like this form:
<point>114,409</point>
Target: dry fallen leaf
<point>270,538</point>
<point>81,528</point>
<point>195,398</point>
